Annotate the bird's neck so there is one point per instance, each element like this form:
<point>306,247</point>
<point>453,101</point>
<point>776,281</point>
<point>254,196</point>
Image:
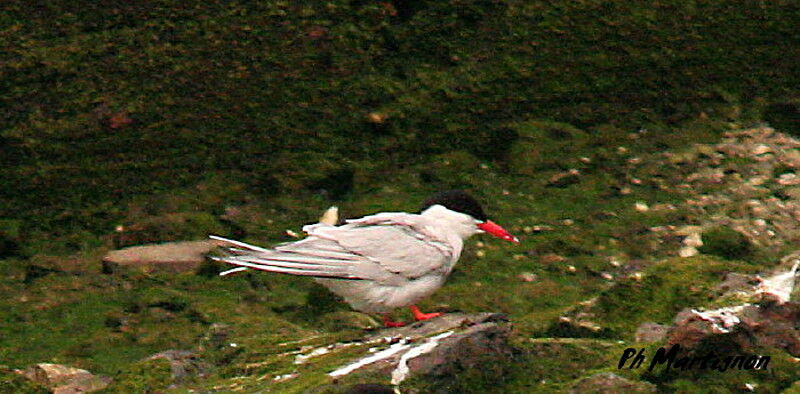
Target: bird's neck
<point>464,226</point>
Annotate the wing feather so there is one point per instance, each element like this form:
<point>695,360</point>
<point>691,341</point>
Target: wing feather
<point>381,250</point>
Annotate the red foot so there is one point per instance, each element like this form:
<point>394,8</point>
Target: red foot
<point>387,322</point>
<point>418,315</point>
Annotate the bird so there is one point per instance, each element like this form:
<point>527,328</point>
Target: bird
<point>380,262</point>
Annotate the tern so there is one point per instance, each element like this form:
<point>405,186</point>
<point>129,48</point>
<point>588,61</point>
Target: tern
<point>379,262</point>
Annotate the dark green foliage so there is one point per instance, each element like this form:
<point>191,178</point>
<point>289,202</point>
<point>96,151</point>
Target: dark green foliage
<point>784,116</point>
<point>727,243</point>
<point>176,119</point>
<point>109,101</point>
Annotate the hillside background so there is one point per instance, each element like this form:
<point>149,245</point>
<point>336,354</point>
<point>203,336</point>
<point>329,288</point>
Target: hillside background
<point>126,123</point>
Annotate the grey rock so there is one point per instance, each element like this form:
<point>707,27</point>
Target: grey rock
<point>184,365</point>
<point>64,379</point>
<point>651,332</point>
<point>171,256</point>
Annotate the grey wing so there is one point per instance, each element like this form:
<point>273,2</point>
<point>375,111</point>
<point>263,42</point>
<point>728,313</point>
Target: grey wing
<point>374,252</point>
<point>397,248</point>
<point>312,256</point>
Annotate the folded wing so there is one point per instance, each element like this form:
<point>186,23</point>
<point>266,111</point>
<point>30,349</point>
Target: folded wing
<point>386,252</point>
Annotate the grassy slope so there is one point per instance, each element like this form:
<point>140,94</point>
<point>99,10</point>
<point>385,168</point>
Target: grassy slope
<point>258,106</point>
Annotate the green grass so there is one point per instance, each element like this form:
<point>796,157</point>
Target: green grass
<point>178,119</point>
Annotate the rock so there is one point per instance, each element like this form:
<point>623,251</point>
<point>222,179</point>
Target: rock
<point>608,382</point>
<point>171,257</point>
<point>552,258</point>
<point>527,277</point>
<point>778,287</point>
<point>651,332</point>
<point>564,179</point>
<point>184,365</point>
<point>693,240</point>
<point>770,323</point>
<point>63,379</point>
<point>688,251</point>
<point>438,349</point>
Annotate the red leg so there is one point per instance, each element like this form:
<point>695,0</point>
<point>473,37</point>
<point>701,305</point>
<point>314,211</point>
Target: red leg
<point>387,322</point>
<point>418,315</point>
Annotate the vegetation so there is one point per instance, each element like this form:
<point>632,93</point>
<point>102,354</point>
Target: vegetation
<point>125,123</point>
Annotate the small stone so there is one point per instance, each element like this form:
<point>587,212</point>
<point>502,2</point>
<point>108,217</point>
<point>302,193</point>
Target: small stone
<point>688,230</point>
<point>625,191</point>
<point>606,276</point>
<point>376,117</point>
<point>551,258</point>
<point>585,160</point>
<point>789,179</point>
<point>761,149</point>
<point>527,277</point>
<point>622,150</point>
<point>693,240</point>
<point>641,206</point>
<point>688,251</point>
<point>637,276</point>
<point>480,254</point>
<point>572,269</point>
<point>614,262</point>
<point>568,222</point>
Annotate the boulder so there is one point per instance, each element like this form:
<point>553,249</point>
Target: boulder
<point>184,364</point>
<point>63,379</point>
<point>171,256</point>
<point>435,349</point>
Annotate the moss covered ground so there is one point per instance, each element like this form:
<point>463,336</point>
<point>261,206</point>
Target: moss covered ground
<point>178,119</point>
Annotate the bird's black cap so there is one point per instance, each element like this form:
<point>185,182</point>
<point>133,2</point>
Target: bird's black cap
<point>457,200</point>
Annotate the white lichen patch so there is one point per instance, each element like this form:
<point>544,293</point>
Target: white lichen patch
<point>779,287</point>
<point>722,319</point>
<point>302,358</point>
<point>383,354</point>
<point>401,372</point>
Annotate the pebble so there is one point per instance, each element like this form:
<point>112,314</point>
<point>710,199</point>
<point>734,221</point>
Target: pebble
<point>527,277</point>
<point>688,251</point>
